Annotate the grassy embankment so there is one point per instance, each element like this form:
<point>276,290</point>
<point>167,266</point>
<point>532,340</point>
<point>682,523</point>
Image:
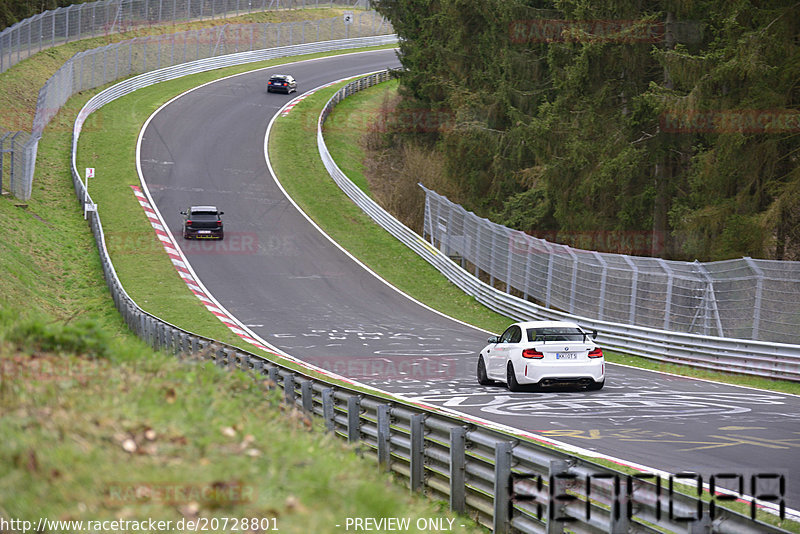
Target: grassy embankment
<point>97,426</point>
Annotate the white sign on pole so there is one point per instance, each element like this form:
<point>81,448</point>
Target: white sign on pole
<point>86,205</point>
<point>348,17</point>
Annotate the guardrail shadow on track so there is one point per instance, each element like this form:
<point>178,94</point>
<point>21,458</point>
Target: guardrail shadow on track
<point>495,476</point>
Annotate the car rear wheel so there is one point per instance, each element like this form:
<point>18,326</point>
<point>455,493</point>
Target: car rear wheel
<point>483,378</point>
<point>511,378</point>
<point>596,386</point>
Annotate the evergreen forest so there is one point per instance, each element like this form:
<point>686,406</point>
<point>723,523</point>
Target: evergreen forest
<point>678,119</point>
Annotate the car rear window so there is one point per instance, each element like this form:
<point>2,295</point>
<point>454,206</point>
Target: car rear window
<point>202,214</point>
<point>280,80</point>
<point>554,334</point>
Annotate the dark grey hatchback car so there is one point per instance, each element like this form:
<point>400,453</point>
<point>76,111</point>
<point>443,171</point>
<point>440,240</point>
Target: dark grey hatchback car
<point>282,83</point>
<point>202,222</point>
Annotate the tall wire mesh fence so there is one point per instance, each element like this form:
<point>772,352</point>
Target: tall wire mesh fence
<point>94,19</point>
<point>99,66</point>
<point>743,298</point>
<point>15,156</point>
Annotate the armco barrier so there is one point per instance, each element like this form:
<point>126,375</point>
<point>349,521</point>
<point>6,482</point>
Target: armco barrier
<point>760,358</point>
<point>506,482</point>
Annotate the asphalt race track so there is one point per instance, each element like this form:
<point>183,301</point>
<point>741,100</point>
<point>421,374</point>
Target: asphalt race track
<point>278,275</point>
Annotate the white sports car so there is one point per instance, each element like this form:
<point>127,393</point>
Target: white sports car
<point>542,353</point>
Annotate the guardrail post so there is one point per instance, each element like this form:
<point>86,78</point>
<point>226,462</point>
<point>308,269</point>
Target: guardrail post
<point>458,449</point>
<point>353,418</point>
<point>307,394</point>
<point>501,520</point>
<point>384,452</point>
<point>703,526</point>
<point>555,507</point>
<point>327,409</point>
<point>222,357</point>
<point>272,373</point>
<point>288,388</point>
<point>417,451</point>
<point>258,366</point>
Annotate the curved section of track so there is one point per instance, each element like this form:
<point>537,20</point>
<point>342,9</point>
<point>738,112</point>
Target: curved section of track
<point>279,276</point>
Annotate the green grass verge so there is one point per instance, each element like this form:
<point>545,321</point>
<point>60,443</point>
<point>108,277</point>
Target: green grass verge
<point>101,429</point>
<point>324,202</point>
<point>307,182</point>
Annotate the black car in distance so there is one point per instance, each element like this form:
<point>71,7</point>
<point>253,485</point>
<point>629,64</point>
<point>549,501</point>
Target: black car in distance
<point>282,83</point>
<point>202,222</point>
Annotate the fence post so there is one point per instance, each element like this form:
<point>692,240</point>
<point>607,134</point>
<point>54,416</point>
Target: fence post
<point>602,298</point>
<point>353,418</point>
<point>759,292</point>
<point>574,281</point>
<point>558,468</point>
<point>327,409</point>
<point>3,151</point>
<point>272,374</point>
<point>548,291</point>
<point>668,303</point>
<point>634,288</point>
<point>288,389</point>
<point>384,452</point>
<point>502,487</point>
<point>417,451</point>
<point>307,392</point>
<point>458,447</point>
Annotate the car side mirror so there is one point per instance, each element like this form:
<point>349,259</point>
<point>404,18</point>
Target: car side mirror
<point>594,334</point>
<point>493,339</point>
<point>222,213</point>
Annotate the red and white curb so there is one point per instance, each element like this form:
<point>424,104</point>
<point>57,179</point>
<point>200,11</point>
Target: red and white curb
<point>180,265</point>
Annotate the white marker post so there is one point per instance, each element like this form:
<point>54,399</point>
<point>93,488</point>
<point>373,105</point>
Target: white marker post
<point>87,206</point>
<point>348,20</point>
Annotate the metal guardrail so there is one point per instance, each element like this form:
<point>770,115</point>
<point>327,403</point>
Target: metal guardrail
<point>96,67</point>
<point>105,18</point>
<point>759,358</point>
<point>507,483</point>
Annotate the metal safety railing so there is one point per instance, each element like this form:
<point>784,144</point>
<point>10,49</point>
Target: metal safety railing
<point>759,358</point>
<point>109,17</point>
<point>503,480</point>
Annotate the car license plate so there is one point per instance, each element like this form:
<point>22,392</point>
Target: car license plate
<point>566,356</point>
<point>204,231</point>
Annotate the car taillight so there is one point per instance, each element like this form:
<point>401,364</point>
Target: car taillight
<point>188,223</point>
<point>596,353</point>
<point>219,223</point>
<point>532,353</point>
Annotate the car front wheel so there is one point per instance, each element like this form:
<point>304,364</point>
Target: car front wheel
<point>483,378</point>
<point>511,378</point>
